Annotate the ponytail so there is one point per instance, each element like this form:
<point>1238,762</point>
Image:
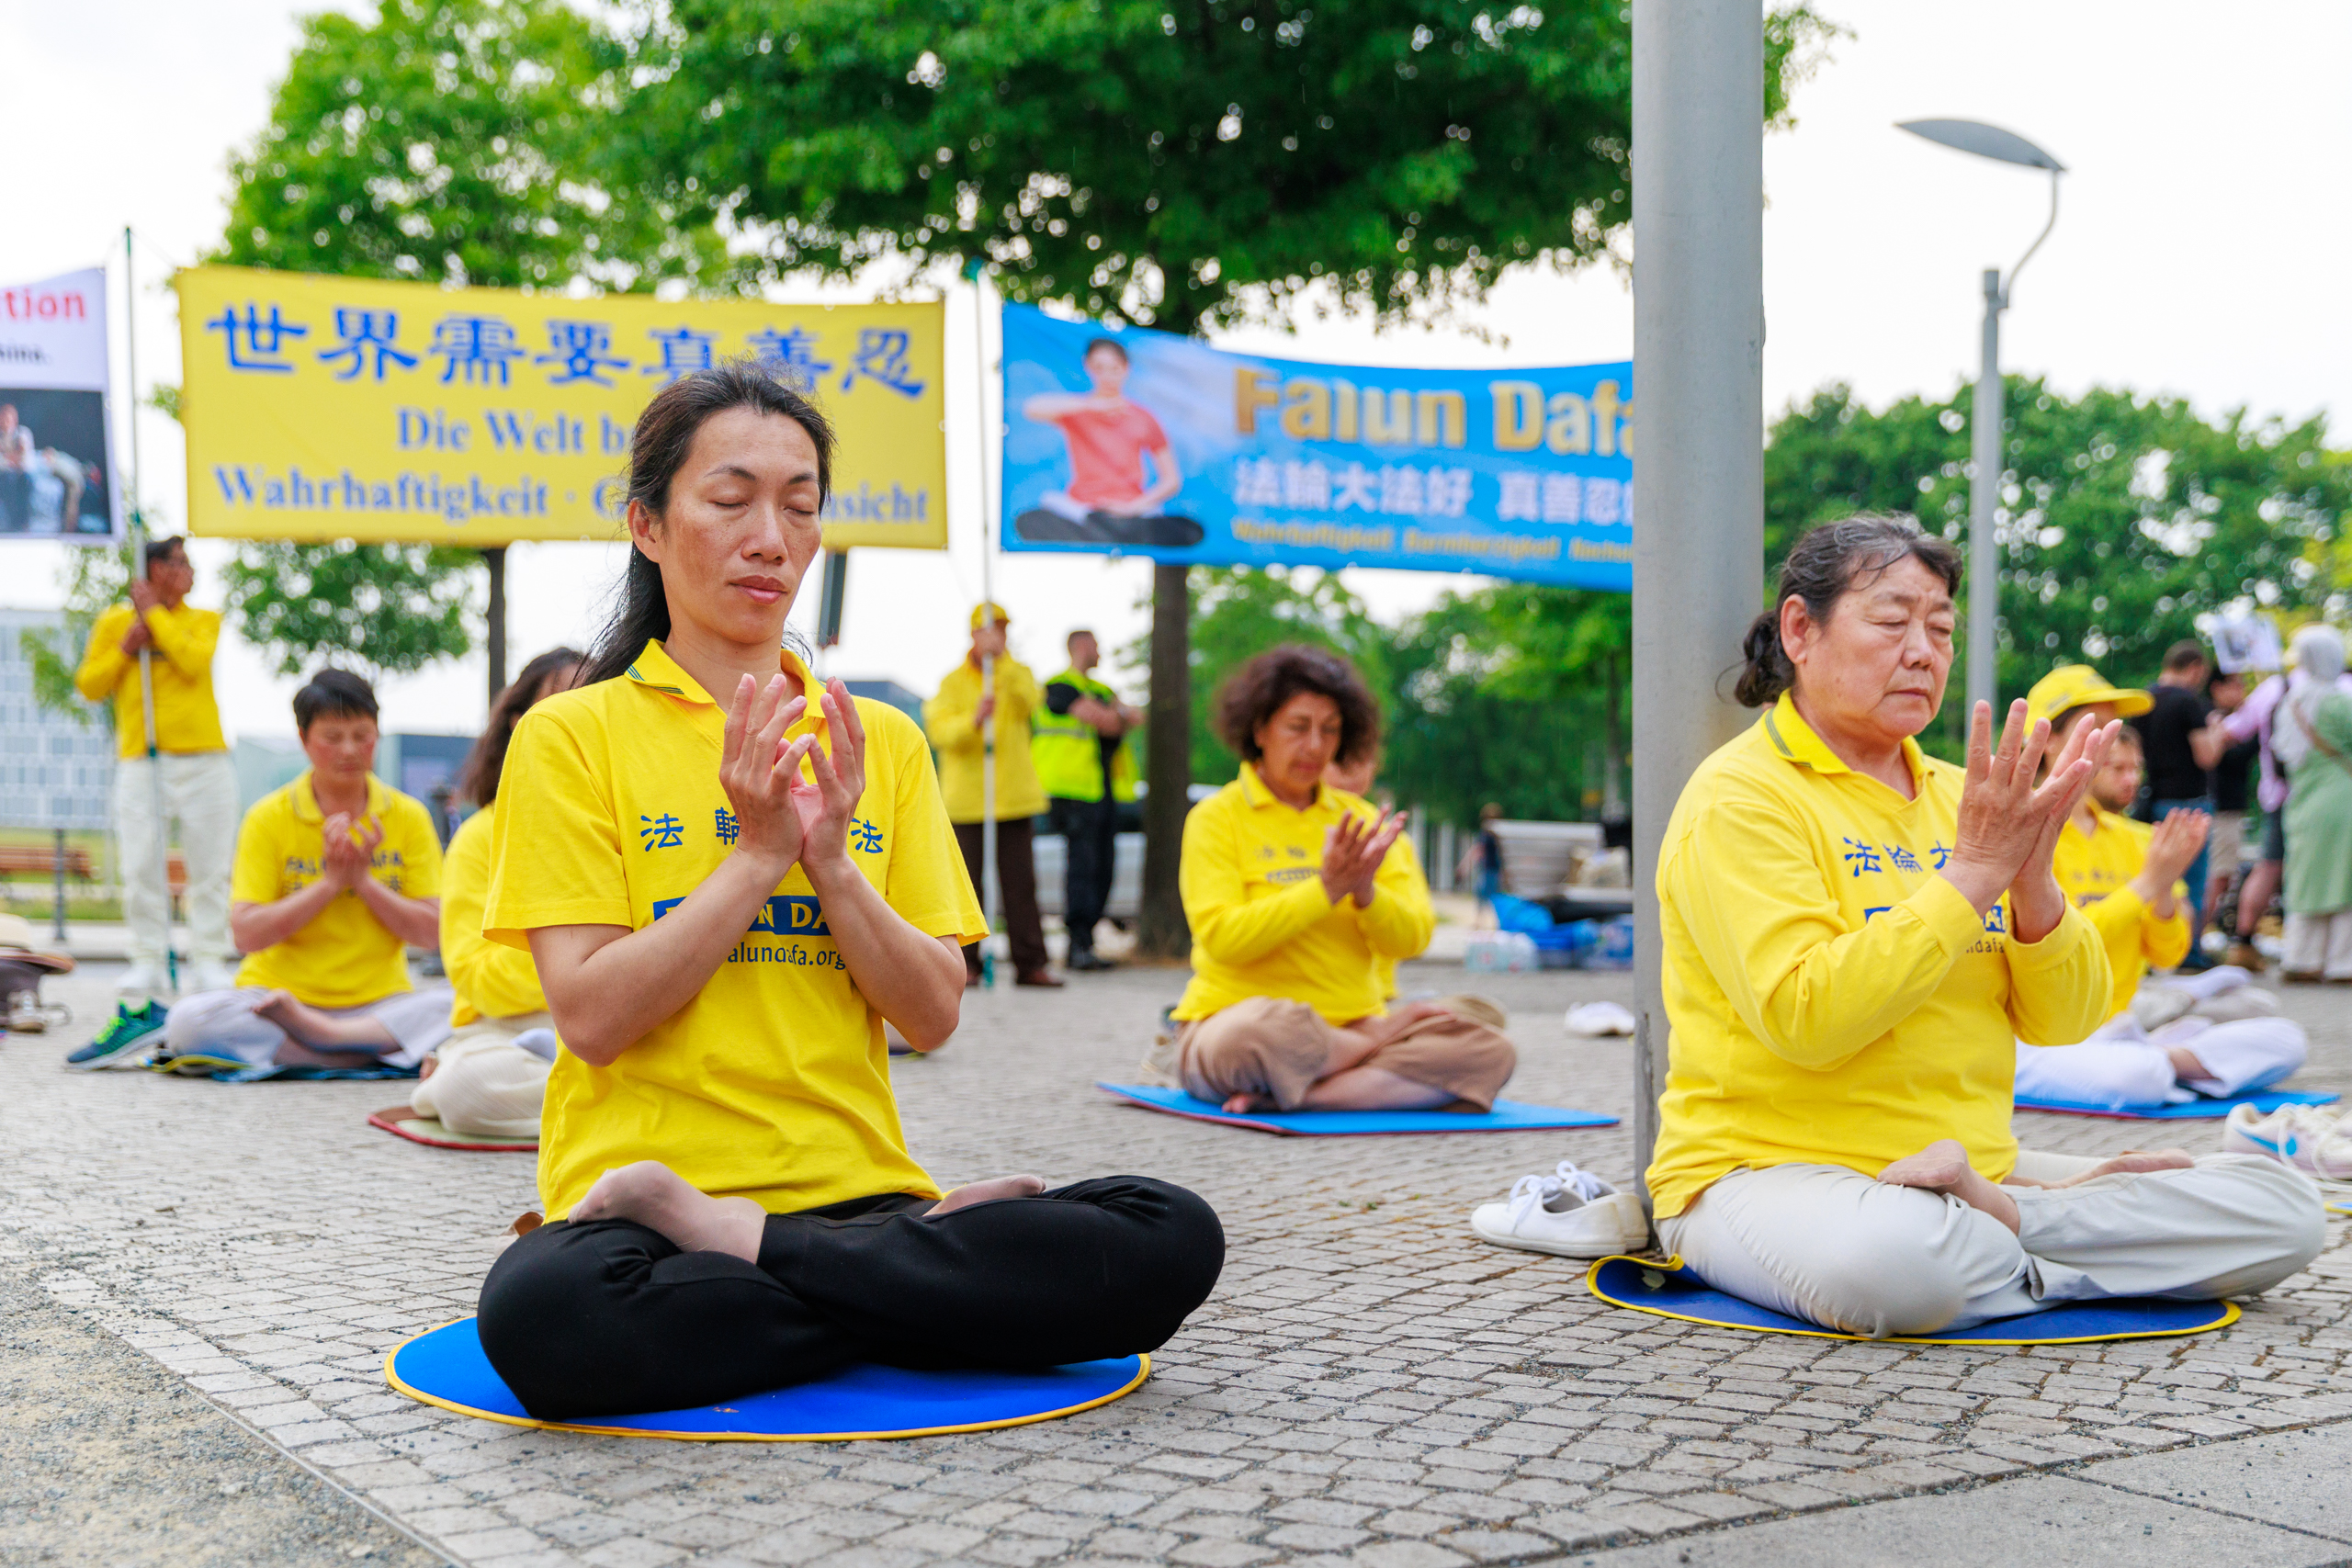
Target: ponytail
<point>1827,562</point>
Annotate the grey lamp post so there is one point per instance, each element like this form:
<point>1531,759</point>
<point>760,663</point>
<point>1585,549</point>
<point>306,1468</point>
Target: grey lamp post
<point>1984,489</point>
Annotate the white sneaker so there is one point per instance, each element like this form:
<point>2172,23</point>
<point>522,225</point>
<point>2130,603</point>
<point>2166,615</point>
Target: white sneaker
<point>207,975</point>
<point>1570,1214</point>
<point>2309,1138</point>
<point>143,980</point>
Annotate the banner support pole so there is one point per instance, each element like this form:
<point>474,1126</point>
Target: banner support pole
<point>990,883</point>
<point>137,534</point>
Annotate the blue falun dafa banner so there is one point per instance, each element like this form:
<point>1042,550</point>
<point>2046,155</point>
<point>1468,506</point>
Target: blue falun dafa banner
<point>1130,441</point>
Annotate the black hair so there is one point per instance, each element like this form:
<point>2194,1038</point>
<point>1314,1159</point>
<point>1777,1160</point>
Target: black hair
<point>2186,654</point>
<point>1113,344</point>
<point>1828,563</point>
<point>657,448</point>
<point>1256,691</point>
<point>160,550</point>
<point>477,779</point>
<point>333,694</point>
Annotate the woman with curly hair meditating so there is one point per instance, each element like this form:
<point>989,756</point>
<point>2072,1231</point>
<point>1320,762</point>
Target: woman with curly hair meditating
<point>1295,892</point>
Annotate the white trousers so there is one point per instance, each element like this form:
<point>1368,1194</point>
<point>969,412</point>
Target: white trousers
<point>2320,944</point>
<point>200,794</point>
<point>2124,1064</point>
<point>483,1084</point>
<point>1837,1248</point>
<point>222,1023</point>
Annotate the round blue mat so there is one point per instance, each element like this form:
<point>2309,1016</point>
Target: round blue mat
<point>1670,1290</point>
<point>447,1368</point>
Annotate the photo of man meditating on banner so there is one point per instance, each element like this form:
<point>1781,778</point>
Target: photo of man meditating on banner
<point>1123,471</point>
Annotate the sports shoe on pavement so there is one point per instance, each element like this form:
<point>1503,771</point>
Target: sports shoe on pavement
<point>1569,1214</point>
<point>2313,1139</point>
<point>131,1028</point>
<point>143,980</point>
<point>207,975</point>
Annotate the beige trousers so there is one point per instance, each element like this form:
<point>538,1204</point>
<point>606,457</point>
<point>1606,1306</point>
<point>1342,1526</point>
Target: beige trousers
<point>483,1084</point>
<point>1837,1248</point>
<point>1276,1047</point>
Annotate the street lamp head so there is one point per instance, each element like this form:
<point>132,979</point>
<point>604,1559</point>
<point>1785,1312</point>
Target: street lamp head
<point>1984,140</point>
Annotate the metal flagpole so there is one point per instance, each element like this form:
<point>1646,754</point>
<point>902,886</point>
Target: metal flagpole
<point>989,884</point>
<point>146,654</point>
<point>1699,485</point>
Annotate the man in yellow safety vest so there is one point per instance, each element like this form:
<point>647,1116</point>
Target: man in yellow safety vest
<point>1079,743</point>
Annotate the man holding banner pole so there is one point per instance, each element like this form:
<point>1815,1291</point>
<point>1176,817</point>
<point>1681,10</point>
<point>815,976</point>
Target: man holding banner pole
<point>152,658</point>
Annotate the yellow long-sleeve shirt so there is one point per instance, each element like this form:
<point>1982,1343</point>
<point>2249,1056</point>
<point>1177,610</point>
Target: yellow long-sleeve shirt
<point>1262,926</point>
<point>187,718</point>
<point>490,977</point>
<point>1833,1001</point>
<point>948,722</point>
<point>2096,871</point>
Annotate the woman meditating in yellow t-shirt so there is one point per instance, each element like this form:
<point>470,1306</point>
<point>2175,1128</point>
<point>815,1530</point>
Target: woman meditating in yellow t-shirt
<point>725,904</point>
<point>1856,935</point>
<point>1295,891</point>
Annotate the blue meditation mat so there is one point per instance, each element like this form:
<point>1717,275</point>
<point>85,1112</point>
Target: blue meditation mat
<point>2199,1109</point>
<point>1508,1116</point>
<point>1671,1290</point>
<point>448,1367</point>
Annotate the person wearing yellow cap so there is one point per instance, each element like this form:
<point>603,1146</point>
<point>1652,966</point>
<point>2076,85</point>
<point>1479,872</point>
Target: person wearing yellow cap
<point>1855,935</point>
<point>730,875</point>
<point>974,733</point>
<point>2208,1034</point>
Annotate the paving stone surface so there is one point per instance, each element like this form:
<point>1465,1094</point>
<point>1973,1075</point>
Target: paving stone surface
<point>1369,1384</point>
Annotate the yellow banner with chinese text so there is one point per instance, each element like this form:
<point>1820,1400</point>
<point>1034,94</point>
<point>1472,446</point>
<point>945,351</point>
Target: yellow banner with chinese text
<point>335,408</point>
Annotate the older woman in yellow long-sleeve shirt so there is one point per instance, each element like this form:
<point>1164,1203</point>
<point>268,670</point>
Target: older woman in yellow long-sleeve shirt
<point>1295,892</point>
<point>1855,937</point>
<point>489,1077</point>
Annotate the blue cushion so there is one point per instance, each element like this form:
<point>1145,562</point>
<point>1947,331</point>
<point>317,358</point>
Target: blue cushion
<point>448,1367</point>
<point>2199,1109</point>
<point>1676,1291</point>
<point>1508,1116</point>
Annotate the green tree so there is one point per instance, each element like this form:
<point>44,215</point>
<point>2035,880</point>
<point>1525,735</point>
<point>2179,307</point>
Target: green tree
<point>1177,166</point>
<point>95,579</point>
<point>2123,517</point>
<point>446,141</point>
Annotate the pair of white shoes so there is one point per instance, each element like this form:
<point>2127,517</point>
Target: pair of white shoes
<point>2313,1139</point>
<point>1568,1214</point>
<point>146,980</point>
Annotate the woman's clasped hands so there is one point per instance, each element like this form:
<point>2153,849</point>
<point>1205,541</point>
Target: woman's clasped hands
<point>793,800</point>
<point>345,861</point>
<point>2009,826</point>
<point>1352,852</point>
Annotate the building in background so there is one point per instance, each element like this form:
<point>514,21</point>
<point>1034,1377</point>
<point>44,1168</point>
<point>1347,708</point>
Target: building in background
<point>56,769</point>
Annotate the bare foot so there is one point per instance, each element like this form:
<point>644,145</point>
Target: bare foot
<point>306,1025</point>
<point>1238,1104</point>
<point>658,1199</point>
<point>988,1192</point>
<point>2186,1064</point>
<point>1942,1166</point>
<point>2133,1162</point>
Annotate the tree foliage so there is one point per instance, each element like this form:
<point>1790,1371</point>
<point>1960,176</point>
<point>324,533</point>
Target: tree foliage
<point>378,609</point>
<point>95,579</point>
<point>2123,518</point>
<point>1171,165</point>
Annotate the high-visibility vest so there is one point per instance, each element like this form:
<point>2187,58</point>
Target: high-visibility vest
<point>1068,751</point>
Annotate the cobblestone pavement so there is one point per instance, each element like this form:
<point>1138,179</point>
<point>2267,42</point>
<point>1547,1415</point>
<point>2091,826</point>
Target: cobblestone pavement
<point>1369,1382</point>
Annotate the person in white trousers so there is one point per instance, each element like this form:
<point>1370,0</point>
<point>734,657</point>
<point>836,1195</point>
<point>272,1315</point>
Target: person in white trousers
<point>198,781</point>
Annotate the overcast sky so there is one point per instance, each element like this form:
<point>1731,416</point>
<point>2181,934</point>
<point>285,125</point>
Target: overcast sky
<point>2201,251</point>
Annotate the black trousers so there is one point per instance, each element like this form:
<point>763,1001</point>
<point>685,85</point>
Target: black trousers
<point>1016,884</point>
<point>608,1318</point>
<point>1090,830</point>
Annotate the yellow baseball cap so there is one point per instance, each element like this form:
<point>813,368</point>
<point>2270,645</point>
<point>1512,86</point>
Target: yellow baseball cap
<point>2071,686</point>
<point>988,609</point>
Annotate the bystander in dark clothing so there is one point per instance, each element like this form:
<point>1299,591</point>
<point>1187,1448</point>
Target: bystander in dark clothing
<point>2177,780</point>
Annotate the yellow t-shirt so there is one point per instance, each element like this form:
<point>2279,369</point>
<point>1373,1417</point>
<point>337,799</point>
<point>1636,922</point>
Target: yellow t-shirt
<point>187,718</point>
<point>1833,1001</point>
<point>773,1082</point>
<point>347,956</point>
<point>947,720</point>
<point>491,978</point>
<point>1261,924</point>
<point>2096,872</point>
